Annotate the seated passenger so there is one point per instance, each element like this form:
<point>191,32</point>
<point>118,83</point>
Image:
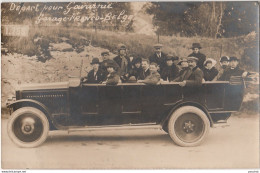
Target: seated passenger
<point>193,75</point>
<point>224,62</point>
<point>103,65</point>
<point>171,71</point>
<point>145,69</point>
<point>122,60</point>
<point>112,77</point>
<point>95,75</point>
<point>183,63</point>
<point>154,76</point>
<point>135,71</point>
<point>234,70</point>
<point>175,60</point>
<point>209,71</point>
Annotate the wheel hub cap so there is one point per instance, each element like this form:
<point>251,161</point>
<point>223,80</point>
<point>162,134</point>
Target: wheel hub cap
<point>188,126</point>
<point>28,125</point>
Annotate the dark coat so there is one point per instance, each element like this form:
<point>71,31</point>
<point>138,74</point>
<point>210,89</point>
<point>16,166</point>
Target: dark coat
<point>136,72</point>
<point>112,79</point>
<point>209,75</point>
<point>193,77</point>
<point>170,73</point>
<point>118,60</point>
<point>143,74</point>
<point>160,61</point>
<point>201,58</point>
<point>98,78</point>
<point>181,74</point>
<point>231,72</point>
<point>152,79</point>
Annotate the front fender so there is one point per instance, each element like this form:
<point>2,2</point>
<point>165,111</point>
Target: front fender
<point>33,103</point>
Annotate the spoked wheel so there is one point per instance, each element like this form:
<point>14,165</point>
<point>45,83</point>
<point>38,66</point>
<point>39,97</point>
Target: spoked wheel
<point>28,127</point>
<point>188,126</point>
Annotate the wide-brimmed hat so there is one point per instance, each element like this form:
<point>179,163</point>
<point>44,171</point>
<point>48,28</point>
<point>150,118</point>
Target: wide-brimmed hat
<point>137,60</point>
<point>182,60</point>
<point>169,57</point>
<point>111,63</point>
<point>196,45</point>
<point>210,60</point>
<point>224,58</point>
<point>158,45</point>
<point>233,58</point>
<point>192,58</point>
<point>95,61</point>
<point>121,46</point>
<point>104,53</point>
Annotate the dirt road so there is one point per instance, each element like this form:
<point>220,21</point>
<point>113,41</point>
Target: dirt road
<point>233,146</point>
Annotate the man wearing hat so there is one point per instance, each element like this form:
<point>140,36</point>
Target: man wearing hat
<point>122,60</point>
<point>209,71</point>
<point>112,77</point>
<point>193,75</point>
<point>183,63</point>
<point>234,70</point>
<point>95,75</point>
<point>171,71</point>
<point>153,78</point>
<point>224,62</point>
<point>196,53</point>
<point>158,57</point>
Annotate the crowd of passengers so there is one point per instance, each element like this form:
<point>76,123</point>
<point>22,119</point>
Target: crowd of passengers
<point>159,67</point>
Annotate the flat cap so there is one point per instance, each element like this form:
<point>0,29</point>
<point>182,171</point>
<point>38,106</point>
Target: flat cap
<point>182,60</point>
<point>233,58</point>
<point>121,46</point>
<point>104,53</point>
<point>224,58</point>
<point>158,45</point>
<point>192,58</point>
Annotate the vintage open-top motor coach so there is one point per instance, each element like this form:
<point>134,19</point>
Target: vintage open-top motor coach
<point>186,113</point>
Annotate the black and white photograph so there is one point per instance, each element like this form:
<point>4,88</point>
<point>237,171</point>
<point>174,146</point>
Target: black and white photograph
<point>130,85</point>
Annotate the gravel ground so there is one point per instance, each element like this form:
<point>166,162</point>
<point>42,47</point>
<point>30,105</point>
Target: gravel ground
<point>233,146</point>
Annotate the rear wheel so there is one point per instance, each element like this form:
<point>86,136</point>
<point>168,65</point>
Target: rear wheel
<point>188,126</point>
<point>28,127</point>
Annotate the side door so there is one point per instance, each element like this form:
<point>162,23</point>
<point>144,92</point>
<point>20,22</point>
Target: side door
<point>215,94</point>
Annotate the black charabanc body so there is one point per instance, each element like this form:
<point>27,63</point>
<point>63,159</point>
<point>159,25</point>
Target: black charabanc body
<point>184,112</point>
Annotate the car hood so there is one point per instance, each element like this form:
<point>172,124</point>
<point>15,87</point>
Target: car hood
<point>54,85</point>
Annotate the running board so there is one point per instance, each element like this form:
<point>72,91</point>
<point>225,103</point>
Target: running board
<point>116,127</point>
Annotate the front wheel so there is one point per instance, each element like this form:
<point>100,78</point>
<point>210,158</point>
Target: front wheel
<point>188,126</point>
<point>28,127</point>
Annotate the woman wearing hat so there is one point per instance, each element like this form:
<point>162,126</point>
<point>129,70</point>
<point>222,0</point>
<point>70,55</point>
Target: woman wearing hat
<point>171,71</point>
<point>95,75</point>
<point>196,53</point>
<point>135,72</point>
<point>112,77</point>
<point>209,71</point>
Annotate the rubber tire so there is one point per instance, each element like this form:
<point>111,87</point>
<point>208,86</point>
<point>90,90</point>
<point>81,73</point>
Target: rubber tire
<point>179,112</point>
<point>37,113</point>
